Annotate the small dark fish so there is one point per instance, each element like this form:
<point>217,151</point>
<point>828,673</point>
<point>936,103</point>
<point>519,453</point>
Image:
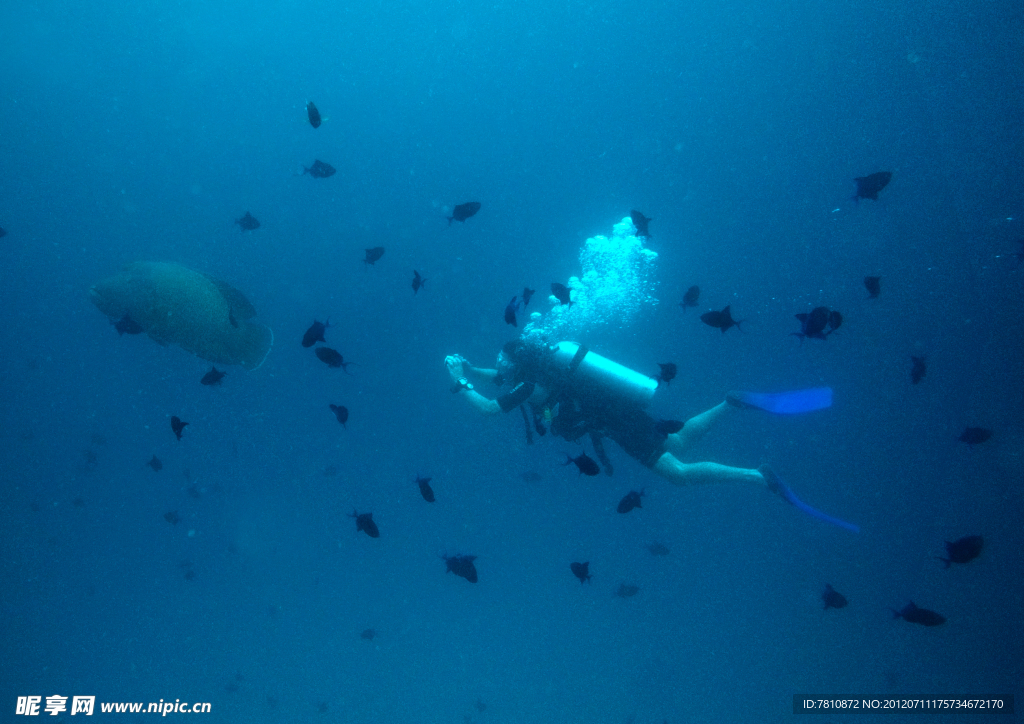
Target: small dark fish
<point>835,321</point>
<point>127,325</point>
<point>425,490</point>
<point>190,575</point>
<point>78,502</point>
<point>177,425</point>
<point>833,598</point>
<point>213,377</point>
<point>581,571</point>
<point>963,550</point>
<point>231,319</point>
<point>1019,254</point>
<point>812,325</point>
<point>340,412</point>
<point>690,298</point>
<point>332,358</point>
<point>313,113</point>
<point>640,222</point>
<point>372,255</point>
<point>667,374</point>
<point>156,464</point>
<point>368,635</point>
<point>172,517</point>
<point>527,293</point>
<point>364,522</point>
<point>722,320</point>
<point>668,427</point>
<point>626,590</point>
<point>248,222</point>
<point>530,476</point>
<point>315,333</point>
<point>461,566</point>
<point>464,211</point>
<point>874,286</point>
<point>417,282</point>
<point>561,293</point>
<point>586,465</point>
<point>923,616</point>
<point>319,169</point>
<point>975,435</point>
<point>918,370</point>
<point>510,312</point>
<point>480,706</point>
<point>657,549</point>
<point>869,186</point>
<point>3,232</point>
<point>632,500</point>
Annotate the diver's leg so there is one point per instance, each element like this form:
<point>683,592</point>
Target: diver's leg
<point>669,467</point>
<point>695,428</point>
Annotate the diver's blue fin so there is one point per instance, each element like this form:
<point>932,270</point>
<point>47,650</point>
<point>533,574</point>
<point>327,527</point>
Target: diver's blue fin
<point>778,487</point>
<point>784,403</point>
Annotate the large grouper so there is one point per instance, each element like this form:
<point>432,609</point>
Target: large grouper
<point>176,305</point>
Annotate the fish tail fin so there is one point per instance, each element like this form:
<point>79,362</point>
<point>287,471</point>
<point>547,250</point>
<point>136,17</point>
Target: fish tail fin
<point>739,323</point>
<point>947,561</point>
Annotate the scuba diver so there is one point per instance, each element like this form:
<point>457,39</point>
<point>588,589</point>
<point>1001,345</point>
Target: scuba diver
<point>579,392</point>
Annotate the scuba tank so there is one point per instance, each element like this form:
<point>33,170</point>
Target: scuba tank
<point>588,373</point>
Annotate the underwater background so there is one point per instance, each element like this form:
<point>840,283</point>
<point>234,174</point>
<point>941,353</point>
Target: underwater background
<point>141,131</point>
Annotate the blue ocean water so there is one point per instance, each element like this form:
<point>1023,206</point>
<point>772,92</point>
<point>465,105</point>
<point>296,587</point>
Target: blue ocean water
<point>141,131</point>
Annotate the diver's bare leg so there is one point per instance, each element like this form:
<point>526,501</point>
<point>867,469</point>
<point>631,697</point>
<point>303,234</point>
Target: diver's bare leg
<point>669,467</point>
<point>695,428</point>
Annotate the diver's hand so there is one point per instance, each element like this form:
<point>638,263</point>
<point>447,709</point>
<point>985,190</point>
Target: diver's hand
<point>454,364</point>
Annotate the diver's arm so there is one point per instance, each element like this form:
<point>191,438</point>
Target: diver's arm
<point>483,374</point>
<point>457,367</point>
<point>523,392</point>
<point>481,403</point>
<point>520,393</point>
